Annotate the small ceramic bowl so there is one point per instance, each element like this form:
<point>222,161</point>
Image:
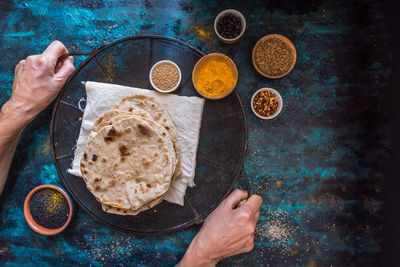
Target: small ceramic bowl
<point>205,59</point>
<point>283,39</point>
<point>31,222</point>
<point>280,103</point>
<point>235,12</point>
<point>151,74</point>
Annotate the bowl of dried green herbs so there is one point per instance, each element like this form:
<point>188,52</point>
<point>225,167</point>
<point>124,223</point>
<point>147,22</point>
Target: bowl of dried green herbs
<point>274,56</point>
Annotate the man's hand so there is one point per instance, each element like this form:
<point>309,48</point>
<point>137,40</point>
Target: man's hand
<point>37,83</point>
<point>227,231</point>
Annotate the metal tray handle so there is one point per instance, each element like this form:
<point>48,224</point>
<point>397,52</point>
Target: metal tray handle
<point>248,187</point>
<point>77,53</point>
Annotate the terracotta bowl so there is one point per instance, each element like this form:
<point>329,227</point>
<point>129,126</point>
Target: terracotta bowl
<point>205,59</point>
<point>285,40</point>
<point>31,222</point>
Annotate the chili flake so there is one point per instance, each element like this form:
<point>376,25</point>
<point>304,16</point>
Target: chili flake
<point>265,103</point>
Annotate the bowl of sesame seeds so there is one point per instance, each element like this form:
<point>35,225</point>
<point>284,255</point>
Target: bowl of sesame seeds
<point>165,76</point>
<point>274,56</point>
<point>266,103</point>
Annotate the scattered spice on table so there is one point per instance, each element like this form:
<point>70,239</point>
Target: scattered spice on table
<point>274,57</point>
<point>215,77</point>
<point>229,26</point>
<point>165,76</point>
<point>278,229</point>
<point>265,103</point>
<point>49,208</point>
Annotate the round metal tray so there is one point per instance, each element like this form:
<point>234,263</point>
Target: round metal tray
<point>223,135</point>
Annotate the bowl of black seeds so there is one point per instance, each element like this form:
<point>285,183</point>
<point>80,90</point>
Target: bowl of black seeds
<point>229,26</point>
<point>48,209</point>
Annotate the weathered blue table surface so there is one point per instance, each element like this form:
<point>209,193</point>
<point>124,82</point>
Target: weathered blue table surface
<point>318,166</point>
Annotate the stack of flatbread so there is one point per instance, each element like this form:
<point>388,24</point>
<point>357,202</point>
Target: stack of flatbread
<point>132,156</point>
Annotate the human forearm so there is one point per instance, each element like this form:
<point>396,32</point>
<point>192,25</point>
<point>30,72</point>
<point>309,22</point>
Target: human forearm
<point>37,81</point>
<point>12,123</point>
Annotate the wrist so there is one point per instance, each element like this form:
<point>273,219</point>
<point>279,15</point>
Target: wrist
<point>16,115</point>
<point>13,118</point>
<point>195,256</point>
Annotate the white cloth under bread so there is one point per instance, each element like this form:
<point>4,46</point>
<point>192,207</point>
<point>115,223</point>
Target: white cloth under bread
<point>185,112</point>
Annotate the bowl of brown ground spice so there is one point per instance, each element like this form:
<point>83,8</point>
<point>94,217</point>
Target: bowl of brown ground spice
<point>274,56</point>
<point>165,76</point>
<point>266,103</point>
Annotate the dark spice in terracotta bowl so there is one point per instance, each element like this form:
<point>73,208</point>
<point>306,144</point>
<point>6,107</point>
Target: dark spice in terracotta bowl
<point>49,208</point>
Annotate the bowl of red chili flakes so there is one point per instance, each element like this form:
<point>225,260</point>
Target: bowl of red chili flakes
<point>266,103</point>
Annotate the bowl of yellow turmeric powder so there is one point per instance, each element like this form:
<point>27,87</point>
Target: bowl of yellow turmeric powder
<point>215,76</point>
